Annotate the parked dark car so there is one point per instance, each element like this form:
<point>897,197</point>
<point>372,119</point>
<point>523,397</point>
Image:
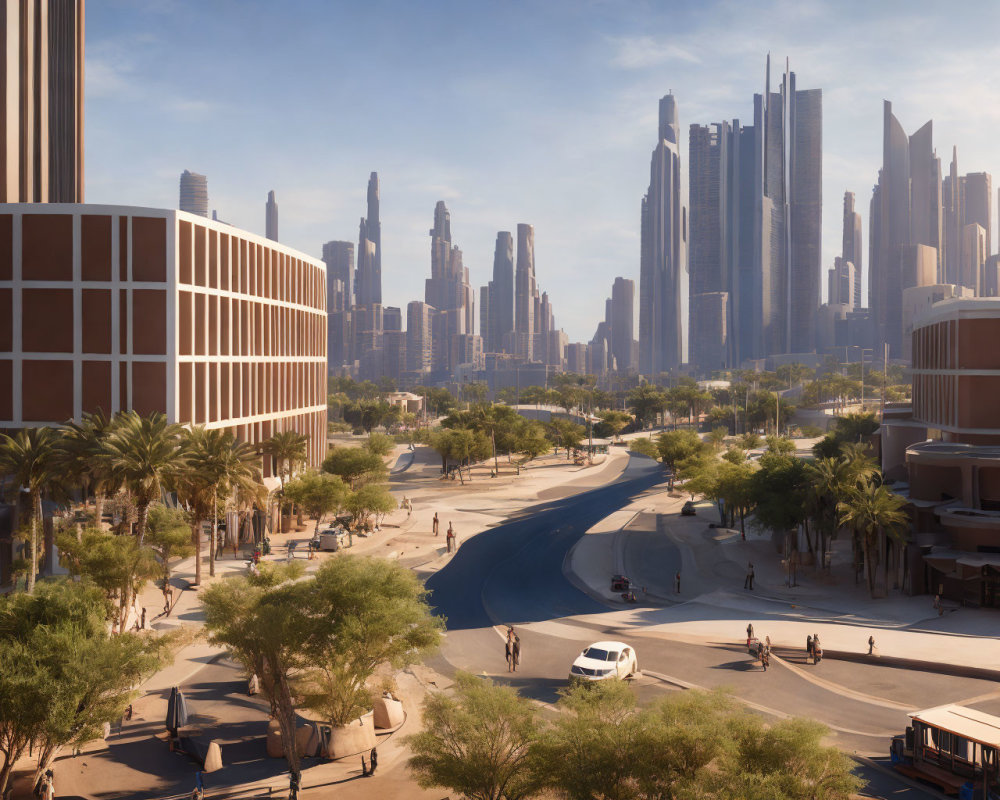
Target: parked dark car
<point>687,510</point>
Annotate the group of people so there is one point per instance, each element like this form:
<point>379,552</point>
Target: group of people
<point>513,649</point>
<point>763,649</point>
<point>813,648</point>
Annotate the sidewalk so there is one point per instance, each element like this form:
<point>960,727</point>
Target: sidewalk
<point>714,607</point>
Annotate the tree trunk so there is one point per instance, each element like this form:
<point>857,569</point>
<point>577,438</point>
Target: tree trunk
<point>8,767</point>
<point>809,541</point>
<point>285,709</point>
<point>45,758</point>
<point>35,500</point>
<point>142,515</point>
<point>215,534</point>
<point>196,538</point>
<point>98,508</point>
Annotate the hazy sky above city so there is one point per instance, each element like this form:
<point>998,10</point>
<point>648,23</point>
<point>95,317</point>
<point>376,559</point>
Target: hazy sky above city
<point>538,112</point>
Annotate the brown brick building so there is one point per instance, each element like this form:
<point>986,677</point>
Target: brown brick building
<point>945,453</point>
<point>118,307</point>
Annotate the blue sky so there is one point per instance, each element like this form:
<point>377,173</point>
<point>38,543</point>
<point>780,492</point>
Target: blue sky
<point>538,112</point>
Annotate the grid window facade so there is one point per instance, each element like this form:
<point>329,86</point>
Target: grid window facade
<point>158,310</point>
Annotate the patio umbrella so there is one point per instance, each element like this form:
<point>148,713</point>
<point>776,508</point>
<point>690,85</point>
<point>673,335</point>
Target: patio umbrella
<point>177,712</point>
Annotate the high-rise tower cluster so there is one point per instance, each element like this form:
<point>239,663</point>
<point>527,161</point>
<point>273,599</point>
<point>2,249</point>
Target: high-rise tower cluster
<point>755,233</point>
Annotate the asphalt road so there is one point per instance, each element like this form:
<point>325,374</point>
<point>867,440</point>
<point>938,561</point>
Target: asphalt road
<point>512,575</point>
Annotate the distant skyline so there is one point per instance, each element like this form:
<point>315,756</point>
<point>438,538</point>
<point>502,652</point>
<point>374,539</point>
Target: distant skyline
<point>517,112</point>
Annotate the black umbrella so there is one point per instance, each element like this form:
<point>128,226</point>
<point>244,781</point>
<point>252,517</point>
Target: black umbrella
<point>177,712</point>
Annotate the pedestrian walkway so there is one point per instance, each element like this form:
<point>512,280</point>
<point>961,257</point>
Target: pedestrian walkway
<point>713,605</point>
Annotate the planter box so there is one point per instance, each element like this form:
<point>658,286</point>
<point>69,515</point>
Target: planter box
<point>274,749</point>
<point>388,713</point>
<point>355,737</point>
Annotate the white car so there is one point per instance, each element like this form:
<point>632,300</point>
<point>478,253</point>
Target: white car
<point>604,660</point>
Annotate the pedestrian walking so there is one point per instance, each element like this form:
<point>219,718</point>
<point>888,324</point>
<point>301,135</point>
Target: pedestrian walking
<point>508,653</point>
<point>435,524</point>
<point>817,649</point>
<point>515,653</point>
<point>767,643</point>
<point>871,645</point>
<point>199,788</point>
<point>750,630</point>
<point>937,605</point>
<point>809,647</point>
<point>677,582</point>
<point>253,685</point>
<point>748,583</point>
<point>373,761</point>
<point>168,598</point>
<point>236,548</point>
<point>450,538</point>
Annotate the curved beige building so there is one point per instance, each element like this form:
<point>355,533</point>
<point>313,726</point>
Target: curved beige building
<point>119,307</point>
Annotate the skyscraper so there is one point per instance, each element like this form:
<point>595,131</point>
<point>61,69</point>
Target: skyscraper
<point>525,291</point>
<point>194,193</point>
<point>852,247</point>
<point>623,323</point>
<point>789,129</point>
<point>271,217</point>
<point>448,291</point>
<point>369,277</point>
<point>42,94</point>
<point>500,316</point>
<point>339,260</point>
<point>906,210</point>
<point>663,251</point>
<point>708,256</point>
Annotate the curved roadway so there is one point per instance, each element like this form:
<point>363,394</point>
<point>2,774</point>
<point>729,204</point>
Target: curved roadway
<point>512,574</point>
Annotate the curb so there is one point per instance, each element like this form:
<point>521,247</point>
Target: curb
<point>955,670</point>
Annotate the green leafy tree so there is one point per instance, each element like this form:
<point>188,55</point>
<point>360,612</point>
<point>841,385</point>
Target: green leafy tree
<point>379,444</point>
<point>143,454</point>
<point>530,440</point>
<point>30,460</point>
<point>169,536</point>
<point>567,434</point>
<point>479,742</point>
<point>644,447</point>
<point>373,613</point>
<point>590,749</point>
<point>780,445</point>
<point>370,500</point>
<point>318,493</point>
<point>675,446</point>
<point>646,402</point>
<point>612,423</point>
<point>717,436</point>
<point>460,445</point>
<point>785,761</point>
<point>750,441</point>
<point>355,466</point>
<point>62,677</point>
<point>264,621</point>
<point>119,565</point>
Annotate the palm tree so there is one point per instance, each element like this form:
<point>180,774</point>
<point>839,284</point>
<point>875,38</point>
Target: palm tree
<point>30,459</point>
<point>143,454</point>
<point>877,514</point>
<point>830,481</point>
<point>216,466</point>
<point>288,449</point>
<point>80,449</point>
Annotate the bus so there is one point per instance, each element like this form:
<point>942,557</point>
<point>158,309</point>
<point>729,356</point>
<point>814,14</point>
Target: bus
<point>955,748</point>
